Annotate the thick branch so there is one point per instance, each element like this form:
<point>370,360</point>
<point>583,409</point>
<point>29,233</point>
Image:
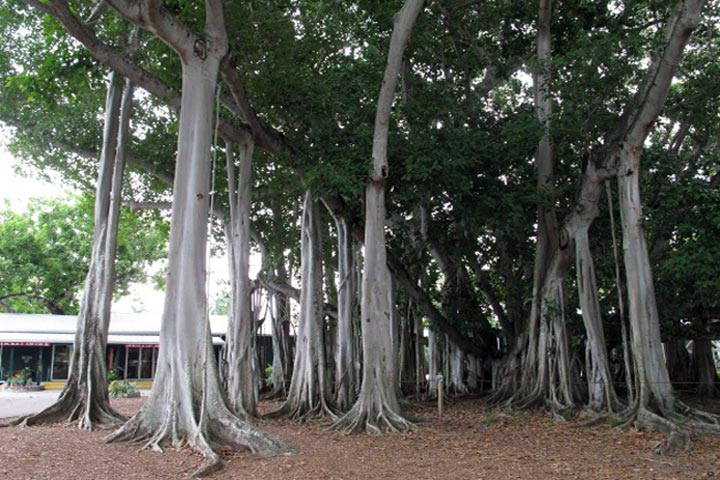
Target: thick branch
<point>151,15</point>
<point>404,21</point>
<point>273,140</point>
<point>121,63</point>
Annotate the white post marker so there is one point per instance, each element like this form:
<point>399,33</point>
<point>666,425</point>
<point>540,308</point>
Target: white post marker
<point>440,394</point>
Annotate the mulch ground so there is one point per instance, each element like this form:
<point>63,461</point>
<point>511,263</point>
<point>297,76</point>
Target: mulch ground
<point>471,442</point>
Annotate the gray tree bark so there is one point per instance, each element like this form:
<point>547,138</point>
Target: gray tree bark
<point>84,399</point>
<point>187,405</point>
<point>434,366</point>
<point>456,381</point>
<point>547,229</point>
<point>653,382</point>
<point>601,392</point>
<point>309,393</point>
<point>621,158</point>
<point>377,408</point>
<point>345,380</point>
<point>241,325</point>
<point>705,367</point>
<point>279,345</point>
<point>420,367</point>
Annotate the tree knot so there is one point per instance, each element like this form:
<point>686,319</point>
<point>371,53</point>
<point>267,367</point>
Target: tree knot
<point>200,48</point>
<point>564,239</point>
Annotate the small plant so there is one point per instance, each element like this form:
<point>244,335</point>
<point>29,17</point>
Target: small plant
<point>122,389</point>
<point>566,414</point>
<point>614,421</point>
<point>112,375</point>
<point>488,418</point>
<point>20,378</point>
<point>268,375</point>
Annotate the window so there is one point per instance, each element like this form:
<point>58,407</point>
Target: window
<point>61,362</point>
<point>140,362</point>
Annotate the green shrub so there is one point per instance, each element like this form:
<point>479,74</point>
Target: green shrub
<point>112,375</point>
<point>122,389</point>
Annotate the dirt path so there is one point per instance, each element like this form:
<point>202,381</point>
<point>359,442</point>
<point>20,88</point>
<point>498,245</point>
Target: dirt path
<point>469,443</point>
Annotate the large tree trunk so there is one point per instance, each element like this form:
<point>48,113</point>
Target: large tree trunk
<point>345,380</point>
<point>84,399</point>
<point>679,364</point>
<point>654,391</point>
<point>330,294</point>
<point>553,384</point>
<point>434,364</point>
<point>241,325</point>
<point>377,408</point>
<point>601,393</point>
<point>457,370</point>
<point>624,328</point>
<point>420,368</point>
<point>547,226</point>
<point>279,347</point>
<point>705,367</point>
<point>282,363</point>
<point>653,382</point>
<point>621,157</point>
<point>187,405</point>
<point>309,392</point>
<point>522,377</point>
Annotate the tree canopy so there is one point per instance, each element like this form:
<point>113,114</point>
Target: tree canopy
<point>525,143</point>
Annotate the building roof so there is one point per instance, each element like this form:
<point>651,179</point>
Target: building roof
<point>125,328</point>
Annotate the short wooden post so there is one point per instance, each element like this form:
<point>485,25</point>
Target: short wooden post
<point>440,395</point>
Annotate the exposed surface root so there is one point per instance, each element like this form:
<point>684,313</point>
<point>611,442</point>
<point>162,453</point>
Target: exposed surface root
<point>275,394</point>
<point>679,424</point>
<point>74,408</point>
<point>209,469</point>
<point>371,419</point>
<point>304,411</point>
<point>175,427</point>
<point>675,441</point>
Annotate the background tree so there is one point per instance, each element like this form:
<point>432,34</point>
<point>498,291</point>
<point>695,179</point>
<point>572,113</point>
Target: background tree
<point>45,253</point>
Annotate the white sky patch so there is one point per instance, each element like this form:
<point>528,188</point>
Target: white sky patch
<point>16,191</point>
